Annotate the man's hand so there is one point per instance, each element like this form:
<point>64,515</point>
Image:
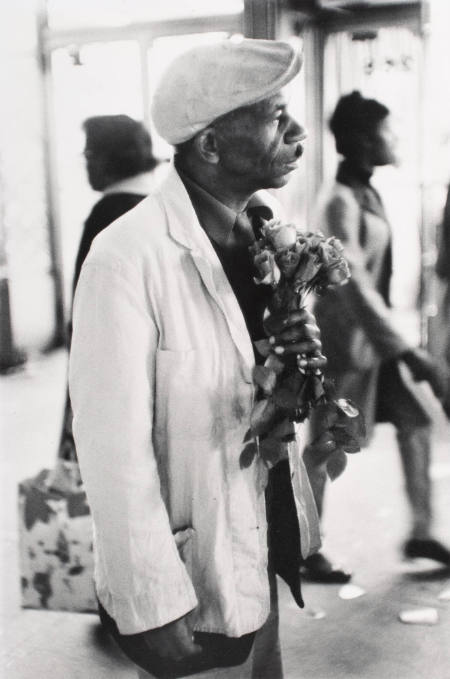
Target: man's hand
<point>296,334</point>
<point>425,368</point>
<point>173,642</point>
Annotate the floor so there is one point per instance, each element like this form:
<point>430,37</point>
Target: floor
<point>332,638</point>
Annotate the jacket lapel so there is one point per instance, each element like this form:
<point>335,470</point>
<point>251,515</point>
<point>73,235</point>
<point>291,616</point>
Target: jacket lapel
<point>185,228</point>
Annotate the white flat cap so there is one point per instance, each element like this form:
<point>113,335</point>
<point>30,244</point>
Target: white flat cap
<point>206,82</point>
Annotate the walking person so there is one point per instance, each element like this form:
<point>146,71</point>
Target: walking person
<point>120,164</point>
<point>443,271</point>
<point>363,348</point>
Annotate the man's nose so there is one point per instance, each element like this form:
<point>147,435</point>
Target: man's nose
<point>294,132</point>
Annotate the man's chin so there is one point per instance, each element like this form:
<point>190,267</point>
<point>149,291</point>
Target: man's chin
<point>279,182</point>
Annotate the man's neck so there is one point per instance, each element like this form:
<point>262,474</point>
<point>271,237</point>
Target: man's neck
<point>233,197</point>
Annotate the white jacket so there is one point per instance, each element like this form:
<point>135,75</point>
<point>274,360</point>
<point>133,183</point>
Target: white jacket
<point>161,388</point>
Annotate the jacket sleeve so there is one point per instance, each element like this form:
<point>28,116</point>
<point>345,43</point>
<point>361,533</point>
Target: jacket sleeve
<point>140,578</point>
<point>107,210</point>
<point>359,296</point>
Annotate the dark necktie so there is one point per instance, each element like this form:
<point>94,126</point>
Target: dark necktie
<point>238,266</point>
<point>242,234</point>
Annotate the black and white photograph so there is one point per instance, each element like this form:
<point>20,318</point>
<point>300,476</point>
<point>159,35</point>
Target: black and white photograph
<point>225,339</point>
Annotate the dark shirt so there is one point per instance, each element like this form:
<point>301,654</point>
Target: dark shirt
<point>231,234</point>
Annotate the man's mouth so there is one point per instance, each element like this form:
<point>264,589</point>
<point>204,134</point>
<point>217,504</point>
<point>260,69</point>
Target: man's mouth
<point>299,151</point>
<point>290,167</point>
<point>292,163</point>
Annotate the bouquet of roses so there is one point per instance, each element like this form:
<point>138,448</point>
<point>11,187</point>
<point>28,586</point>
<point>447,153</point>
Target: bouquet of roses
<point>295,264</point>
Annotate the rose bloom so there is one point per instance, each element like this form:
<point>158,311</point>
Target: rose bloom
<point>315,240</point>
<point>335,266</point>
<point>301,245</point>
<point>288,261</point>
<point>338,273</point>
<point>281,236</point>
<point>336,244</point>
<point>308,268</point>
<point>268,270</point>
<point>328,255</point>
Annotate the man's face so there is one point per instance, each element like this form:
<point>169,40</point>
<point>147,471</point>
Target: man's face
<point>260,145</point>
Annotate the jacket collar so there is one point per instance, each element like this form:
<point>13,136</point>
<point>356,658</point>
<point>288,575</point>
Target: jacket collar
<point>185,229</point>
<point>215,218</point>
<point>183,224</point>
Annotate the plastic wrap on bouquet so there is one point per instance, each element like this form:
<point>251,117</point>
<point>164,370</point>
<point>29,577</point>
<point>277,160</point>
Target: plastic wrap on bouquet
<point>55,538</point>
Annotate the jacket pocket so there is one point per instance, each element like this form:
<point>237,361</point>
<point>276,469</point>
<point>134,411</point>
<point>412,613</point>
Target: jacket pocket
<point>184,540</point>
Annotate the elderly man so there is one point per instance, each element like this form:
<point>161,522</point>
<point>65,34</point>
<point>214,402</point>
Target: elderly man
<point>161,381</point>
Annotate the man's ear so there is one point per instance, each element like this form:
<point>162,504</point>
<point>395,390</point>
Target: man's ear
<point>206,145</point>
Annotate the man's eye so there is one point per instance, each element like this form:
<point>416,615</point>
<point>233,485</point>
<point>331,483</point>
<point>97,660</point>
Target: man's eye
<point>280,117</point>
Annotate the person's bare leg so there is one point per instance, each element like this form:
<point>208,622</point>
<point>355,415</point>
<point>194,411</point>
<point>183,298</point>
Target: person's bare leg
<point>415,451</point>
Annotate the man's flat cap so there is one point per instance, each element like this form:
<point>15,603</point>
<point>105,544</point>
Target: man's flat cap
<point>206,82</point>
